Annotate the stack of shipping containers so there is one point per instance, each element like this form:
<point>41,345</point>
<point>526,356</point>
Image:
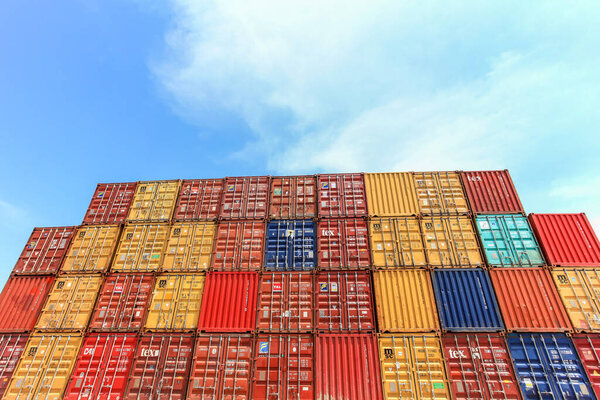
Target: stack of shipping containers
<point>415,285</point>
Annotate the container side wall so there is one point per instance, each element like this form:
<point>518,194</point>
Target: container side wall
<point>391,194</point>
<point>21,302</point>
<point>491,192</point>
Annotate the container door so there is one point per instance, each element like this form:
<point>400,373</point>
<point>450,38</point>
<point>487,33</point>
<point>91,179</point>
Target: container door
<point>357,302</point>
<point>494,237</point>
<point>523,245</point>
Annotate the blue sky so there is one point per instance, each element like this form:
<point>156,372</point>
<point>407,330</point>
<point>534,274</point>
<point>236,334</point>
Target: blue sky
<point>103,91</point>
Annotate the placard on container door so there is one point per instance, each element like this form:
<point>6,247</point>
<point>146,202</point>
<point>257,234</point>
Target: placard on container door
<point>190,247</point>
<point>397,242</point>
<point>92,249</point>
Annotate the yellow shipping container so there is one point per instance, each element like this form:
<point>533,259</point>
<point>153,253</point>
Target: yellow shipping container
<point>391,194</point>
<point>70,303</point>
<point>405,301</point>
<point>44,367</point>
<point>141,248</point>
<point>92,249</point>
<point>412,367</point>
<point>396,242</point>
<point>451,242</point>
<point>154,201</point>
<point>175,302</point>
<point>190,247</point>
<point>440,193</point>
<point>579,290</point>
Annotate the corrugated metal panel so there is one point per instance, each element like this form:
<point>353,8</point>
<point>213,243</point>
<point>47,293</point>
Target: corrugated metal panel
<point>491,192</point>
<point>245,197</point>
<point>508,241</point>
<point>22,300</point>
<point>141,248</point>
<point>190,247</point>
<point>412,367</point>
<point>239,246</point>
<point>588,347</point>
<point>221,367</point>
<point>285,302</point>
<point>199,199</point>
<point>466,300</point>
<point>44,251</point>
<point>397,242</point>
<point>290,245</point>
<point>154,201</point>
<point>547,367</point>
<point>347,367</point>
<point>479,367</point>
<point>451,242</point>
<point>110,203</point>
<point>175,303</point>
<point>70,303</point>
<point>229,302</point>
<point>405,301</point>
<point>44,368</point>
<point>92,249</point>
<point>579,290</point>
<point>440,193</point>
<point>391,194</point>
<point>567,240</point>
<point>11,348</point>
<point>529,300</point>
<point>343,244</point>
<point>293,197</point>
<point>341,195</point>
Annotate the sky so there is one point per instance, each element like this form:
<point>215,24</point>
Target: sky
<point>124,90</point>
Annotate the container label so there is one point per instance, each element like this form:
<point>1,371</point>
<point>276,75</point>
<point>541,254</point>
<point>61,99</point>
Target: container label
<point>277,192</point>
<point>324,287</point>
<point>277,287</point>
<point>334,286</point>
<point>438,385</point>
<point>263,347</point>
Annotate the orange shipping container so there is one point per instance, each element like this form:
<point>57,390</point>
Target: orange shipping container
<point>391,194</point>
<point>154,201</point>
<point>397,242</point>
<point>440,193</point>
<point>451,242</point>
<point>579,290</point>
<point>141,248</point>
<point>293,197</point>
<point>21,302</point>
<point>190,247</point>
<point>92,249</point>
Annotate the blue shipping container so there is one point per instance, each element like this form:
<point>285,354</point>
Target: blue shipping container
<point>466,300</point>
<point>508,241</point>
<point>547,367</point>
<point>290,245</point>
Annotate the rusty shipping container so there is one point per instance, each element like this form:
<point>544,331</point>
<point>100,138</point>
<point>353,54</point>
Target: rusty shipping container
<point>293,197</point>
<point>141,248</point>
<point>92,249</point>
<point>341,195</point>
<point>451,242</point>
<point>199,200</point>
<point>11,348</point>
<point>245,198</point>
<point>110,203</point>
<point>491,192</point>
<point>22,300</point>
<point>44,251</point>
<point>588,348</point>
<point>343,244</point>
<point>190,247</point>
<point>154,201</point>
<point>579,290</point>
<point>391,194</point>
<point>397,242</point>
<point>239,246</point>
<point>440,193</point>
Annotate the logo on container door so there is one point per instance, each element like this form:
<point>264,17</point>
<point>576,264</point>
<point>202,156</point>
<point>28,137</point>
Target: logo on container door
<point>263,347</point>
<point>277,287</point>
<point>325,287</point>
<point>149,353</point>
<point>388,353</point>
<point>456,353</point>
<point>88,351</point>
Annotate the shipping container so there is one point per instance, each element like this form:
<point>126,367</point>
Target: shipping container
<point>567,240</point>
<point>491,192</point>
<point>397,242</point>
<point>588,347</point>
<point>154,201</point>
<point>343,244</point>
<point>102,367</point>
<point>239,246</point>
<point>141,248</point>
<point>122,302</point>
<point>285,302</point>
<point>529,301</point>
<point>466,301</point>
<point>175,303</point>
<point>161,367</point>
<point>440,193</point>
<point>221,368</point>
<point>110,203</point>
<point>199,200</point>
<point>344,302</point>
<point>391,194</point>
<point>508,241</point>
<point>479,367</point>
<point>44,368</point>
<point>190,247</point>
<point>341,195</point>
<point>451,242</point>
<point>22,300</point>
<point>579,290</point>
<point>229,302</point>
<point>283,367</point>
<point>412,367</point>
<point>11,348</point>
<point>405,301</point>
<point>290,245</point>
<point>92,249</point>
<point>44,251</point>
<point>245,198</point>
<point>548,367</point>
<point>347,367</point>
<point>293,197</point>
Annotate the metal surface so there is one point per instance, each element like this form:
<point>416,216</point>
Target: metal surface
<point>451,242</point>
<point>22,300</point>
<point>190,247</point>
<point>44,251</point>
<point>110,203</point>
<point>491,192</point>
<point>579,290</point>
<point>341,195</point>
<point>199,200</point>
<point>440,193</point>
<point>290,245</point>
<point>245,198</point>
<point>391,194</point>
<point>11,348</point>
<point>153,201</point>
<point>293,197</point>
<point>239,246</point>
<point>343,244</point>
<point>397,242</point>
<point>588,348</point>
<point>141,248</point>
<point>92,249</point>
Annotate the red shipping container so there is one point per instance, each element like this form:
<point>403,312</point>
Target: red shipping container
<point>110,203</point>
<point>45,250</point>
<point>347,367</point>
<point>245,197</point>
<point>123,302</point>
<point>221,368</point>
<point>285,302</point>
<point>22,300</point>
<point>343,244</point>
<point>199,200</point>
<point>11,348</point>
<point>293,197</point>
<point>588,347</point>
<point>283,367</point>
<point>239,246</point>
<point>161,367</point>
<point>342,195</point>
<point>567,240</point>
<point>102,367</point>
<point>344,302</point>
<point>491,192</point>
<point>479,367</point>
